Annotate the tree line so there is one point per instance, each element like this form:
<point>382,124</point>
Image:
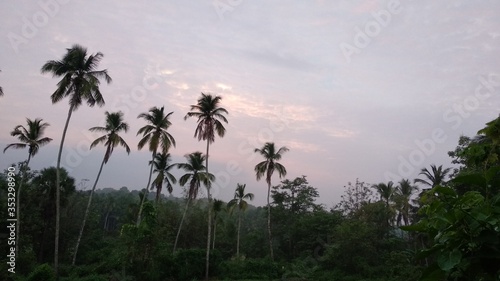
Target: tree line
<point>442,225</point>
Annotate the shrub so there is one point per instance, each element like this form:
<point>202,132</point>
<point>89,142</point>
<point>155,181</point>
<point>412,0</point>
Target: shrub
<point>249,269</point>
<point>42,272</point>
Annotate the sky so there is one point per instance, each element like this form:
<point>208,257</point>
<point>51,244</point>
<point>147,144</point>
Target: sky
<point>375,90</point>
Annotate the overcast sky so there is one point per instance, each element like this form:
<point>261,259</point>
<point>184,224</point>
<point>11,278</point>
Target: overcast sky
<point>374,90</point>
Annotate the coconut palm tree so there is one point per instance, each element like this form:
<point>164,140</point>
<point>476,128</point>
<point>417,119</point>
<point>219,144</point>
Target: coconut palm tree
<point>31,137</point>
<point>437,176</point>
<point>210,115</point>
<point>155,135</point>
<point>114,125</point>
<point>402,198</point>
<point>80,83</point>
<point>217,207</point>
<point>386,192</point>
<point>162,166</point>
<point>266,168</point>
<point>239,200</point>
<point>195,175</point>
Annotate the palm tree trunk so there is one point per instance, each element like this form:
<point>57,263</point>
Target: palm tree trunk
<point>58,195</point>
<point>158,192</point>
<point>147,190</point>
<point>215,228</point>
<point>180,226</point>
<point>87,212</point>
<point>269,221</point>
<point>106,221</point>
<point>238,237</point>
<point>18,214</point>
<point>207,265</point>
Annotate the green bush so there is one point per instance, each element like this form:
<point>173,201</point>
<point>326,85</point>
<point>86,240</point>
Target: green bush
<point>190,264</point>
<point>42,272</point>
<point>249,269</point>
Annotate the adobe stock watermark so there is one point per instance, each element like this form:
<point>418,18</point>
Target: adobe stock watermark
<point>363,36</point>
<point>73,156</point>
<point>223,6</point>
<point>31,25</point>
<point>454,115</point>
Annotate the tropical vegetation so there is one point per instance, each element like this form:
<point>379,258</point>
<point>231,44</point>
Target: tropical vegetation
<point>443,225</point>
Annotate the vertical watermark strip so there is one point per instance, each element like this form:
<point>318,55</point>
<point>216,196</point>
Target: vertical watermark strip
<point>11,219</point>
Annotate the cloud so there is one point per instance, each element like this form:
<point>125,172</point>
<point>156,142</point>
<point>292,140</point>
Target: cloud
<point>302,146</point>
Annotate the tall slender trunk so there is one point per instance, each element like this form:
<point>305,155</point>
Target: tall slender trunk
<point>269,221</point>
<point>106,221</point>
<point>18,214</point>
<point>215,229</point>
<point>58,195</point>
<point>158,193</point>
<point>42,243</point>
<point>147,190</point>
<point>207,265</point>
<point>87,212</point>
<point>180,226</point>
<point>238,237</point>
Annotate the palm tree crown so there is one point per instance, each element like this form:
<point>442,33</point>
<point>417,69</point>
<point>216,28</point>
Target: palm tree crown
<point>386,191</point>
<point>30,136</point>
<point>162,166</point>
<point>437,176</point>
<point>80,79</point>
<point>114,125</point>
<point>269,165</point>
<point>209,114</point>
<point>240,198</point>
<point>155,132</point>
<point>195,174</point>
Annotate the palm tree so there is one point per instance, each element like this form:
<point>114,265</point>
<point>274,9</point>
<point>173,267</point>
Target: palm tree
<point>31,137</point>
<point>114,125</point>
<point>217,207</point>
<point>402,197</point>
<point>209,114</point>
<point>239,200</point>
<point>267,168</point>
<point>80,82</point>
<point>195,176</point>
<point>155,135</point>
<point>162,166</point>
<point>386,192</point>
<point>437,176</point>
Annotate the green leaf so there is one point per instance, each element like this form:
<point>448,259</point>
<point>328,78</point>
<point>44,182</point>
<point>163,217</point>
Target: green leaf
<point>472,179</point>
<point>444,190</point>
<point>418,227</point>
<point>433,273</point>
<point>493,175</point>
<point>448,260</point>
<point>428,252</point>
